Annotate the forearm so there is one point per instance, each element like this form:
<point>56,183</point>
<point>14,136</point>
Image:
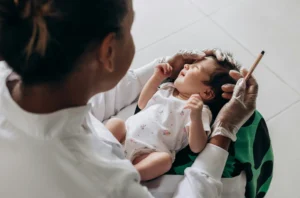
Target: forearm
<point>197,136</point>
<point>107,104</point>
<point>144,73</point>
<point>149,90</point>
<point>203,178</point>
<point>220,141</point>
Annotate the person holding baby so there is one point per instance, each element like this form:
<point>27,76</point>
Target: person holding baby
<point>60,58</point>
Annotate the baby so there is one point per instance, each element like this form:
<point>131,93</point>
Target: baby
<point>174,115</point>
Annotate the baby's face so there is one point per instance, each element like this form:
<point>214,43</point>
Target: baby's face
<point>192,77</point>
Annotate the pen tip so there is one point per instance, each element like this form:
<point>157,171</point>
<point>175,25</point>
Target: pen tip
<point>263,52</point>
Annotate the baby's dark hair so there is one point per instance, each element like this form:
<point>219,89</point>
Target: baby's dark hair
<point>219,78</point>
<point>43,40</point>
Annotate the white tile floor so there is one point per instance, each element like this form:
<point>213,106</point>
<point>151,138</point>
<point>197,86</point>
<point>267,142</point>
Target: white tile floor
<point>244,27</point>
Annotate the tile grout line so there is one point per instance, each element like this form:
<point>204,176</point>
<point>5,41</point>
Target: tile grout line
<point>215,11</point>
<point>282,111</point>
<point>266,66</point>
<point>228,34</point>
<point>199,9</point>
<point>227,6</point>
<point>281,79</point>
<point>176,31</point>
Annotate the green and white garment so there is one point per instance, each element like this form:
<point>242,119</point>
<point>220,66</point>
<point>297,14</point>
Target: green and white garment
<point>252,153</point>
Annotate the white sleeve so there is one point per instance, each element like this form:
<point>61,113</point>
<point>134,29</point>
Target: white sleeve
<point>107,104</point>
<point>135,189</point>
<point>203,178</point>
<point>128,185</point>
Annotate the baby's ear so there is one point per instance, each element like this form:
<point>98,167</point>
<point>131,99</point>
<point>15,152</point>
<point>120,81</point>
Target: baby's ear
<point>208,94</point>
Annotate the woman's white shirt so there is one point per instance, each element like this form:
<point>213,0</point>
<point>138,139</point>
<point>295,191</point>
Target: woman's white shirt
<point>70,153</point>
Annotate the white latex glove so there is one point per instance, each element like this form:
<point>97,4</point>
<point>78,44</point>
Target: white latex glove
<point>239,109</point>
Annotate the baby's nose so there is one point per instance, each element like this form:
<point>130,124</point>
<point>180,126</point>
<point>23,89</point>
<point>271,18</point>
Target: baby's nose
<point>186,66</point>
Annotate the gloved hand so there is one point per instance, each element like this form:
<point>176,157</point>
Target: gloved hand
<point>239,109</point>
<point>181,58</point>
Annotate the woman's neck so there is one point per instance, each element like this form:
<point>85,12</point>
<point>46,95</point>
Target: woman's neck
<point>47,98</point>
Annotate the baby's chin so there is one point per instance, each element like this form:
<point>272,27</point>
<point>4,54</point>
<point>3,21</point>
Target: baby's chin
<point>177,83</point>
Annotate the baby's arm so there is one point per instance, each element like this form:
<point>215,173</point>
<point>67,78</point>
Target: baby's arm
<point>197,134</point>
<point>162,71</point>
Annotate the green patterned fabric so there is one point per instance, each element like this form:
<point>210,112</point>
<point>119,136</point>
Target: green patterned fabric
<point>252,153</point>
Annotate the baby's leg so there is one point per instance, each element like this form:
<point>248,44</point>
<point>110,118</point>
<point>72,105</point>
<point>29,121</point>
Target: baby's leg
<point>152,165</point>
<point>117,127</point>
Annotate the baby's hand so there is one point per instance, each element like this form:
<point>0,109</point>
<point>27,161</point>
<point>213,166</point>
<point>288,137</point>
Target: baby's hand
<point>163,70</point>
<point>195,104</point>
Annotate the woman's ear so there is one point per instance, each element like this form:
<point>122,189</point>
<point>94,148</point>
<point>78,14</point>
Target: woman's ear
<point>207,94</point>
<point>106,52</point>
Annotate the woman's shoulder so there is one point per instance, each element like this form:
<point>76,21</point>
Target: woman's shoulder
<point>5,73</point>
<point>4,69</point>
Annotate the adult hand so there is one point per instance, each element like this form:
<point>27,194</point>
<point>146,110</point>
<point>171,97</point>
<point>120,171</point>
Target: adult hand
<point>239,109</point>
<point>220,56</point>
<point>229,88</point>
<point>184,57</point>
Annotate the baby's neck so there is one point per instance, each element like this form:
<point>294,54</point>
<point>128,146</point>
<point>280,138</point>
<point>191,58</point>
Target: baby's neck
<point>181,96</point>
